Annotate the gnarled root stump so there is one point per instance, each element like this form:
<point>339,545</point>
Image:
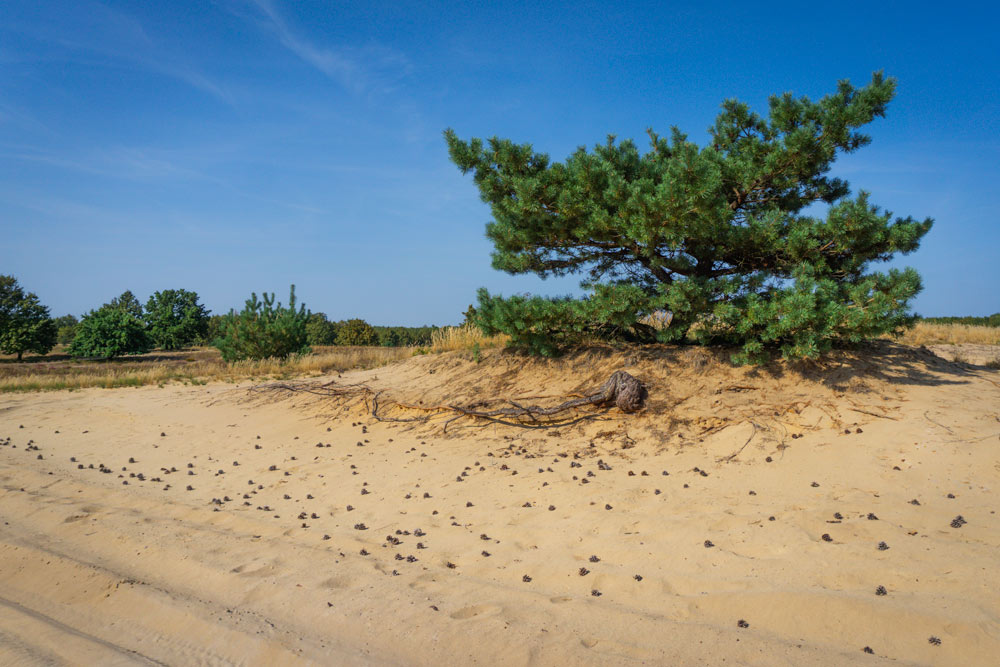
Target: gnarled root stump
<point>621,390</point>
<point>627,393</point>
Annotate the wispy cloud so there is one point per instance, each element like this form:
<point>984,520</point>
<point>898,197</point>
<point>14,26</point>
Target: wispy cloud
<point>129,164</point>
<point>334,65</point>
<point>111,34</point>
<point>193,77</point>
<point>371,69</point>
<point>145,165</point>
<point>10,115</point>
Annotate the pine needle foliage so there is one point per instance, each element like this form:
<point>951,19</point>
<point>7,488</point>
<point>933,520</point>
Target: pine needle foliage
<point>264,330</point>
<point>724,236</point>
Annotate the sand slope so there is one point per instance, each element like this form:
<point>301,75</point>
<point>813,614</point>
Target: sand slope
<point>594,554</point>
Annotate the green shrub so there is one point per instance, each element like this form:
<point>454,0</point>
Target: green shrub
<point>404,336</point>
<point>357,332</point>
<point>320,330</point>
<point>174,319</point>
<point>113,330</point>
<point>388,336</point>
<point>263,330</point>
<point>66,328</point>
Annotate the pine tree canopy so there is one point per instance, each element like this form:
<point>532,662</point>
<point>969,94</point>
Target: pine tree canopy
<point>727,237</point>
<point>264,329</point>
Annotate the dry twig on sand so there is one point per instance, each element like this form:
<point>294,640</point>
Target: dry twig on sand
<point>621,390</point>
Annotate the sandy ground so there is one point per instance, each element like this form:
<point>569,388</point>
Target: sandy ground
<point>968,352</point>
<point>273,530</point>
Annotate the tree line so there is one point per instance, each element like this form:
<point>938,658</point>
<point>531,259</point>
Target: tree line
<point>174,319</point>
<point>987,321</point>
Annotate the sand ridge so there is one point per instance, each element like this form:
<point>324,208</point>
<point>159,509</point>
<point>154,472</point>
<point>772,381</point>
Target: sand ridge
<point>314,533</point>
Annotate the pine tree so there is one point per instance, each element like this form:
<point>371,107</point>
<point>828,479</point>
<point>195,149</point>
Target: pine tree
<point>25,324</point>
<point>263,330</point>
<point>719,235</point>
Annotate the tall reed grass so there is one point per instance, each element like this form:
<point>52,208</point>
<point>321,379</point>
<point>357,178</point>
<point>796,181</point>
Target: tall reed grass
<point>926,333</point>
<point>466,337</point>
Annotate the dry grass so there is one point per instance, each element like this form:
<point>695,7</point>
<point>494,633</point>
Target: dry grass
<point>57,370</point>
<point>466,337</point>
<point>925,333</point>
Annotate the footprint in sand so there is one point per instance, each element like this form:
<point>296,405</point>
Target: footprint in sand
<point>475,611</point>
<point>616,649</point>
<point>264,570</point>
<point>335,583</point>
<point>424,582</point>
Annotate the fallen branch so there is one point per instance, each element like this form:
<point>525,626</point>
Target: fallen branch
<point>739,451</point>
<point>873,414</point>
<point>928,418</point>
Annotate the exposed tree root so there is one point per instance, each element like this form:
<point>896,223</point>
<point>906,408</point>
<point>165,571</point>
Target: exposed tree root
<point>621,390</point>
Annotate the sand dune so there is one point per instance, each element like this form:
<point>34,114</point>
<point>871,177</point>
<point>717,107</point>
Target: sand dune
<point>789,516</point>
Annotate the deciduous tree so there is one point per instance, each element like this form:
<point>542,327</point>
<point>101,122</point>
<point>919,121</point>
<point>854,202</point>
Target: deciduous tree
<point>113,330</point>
<point>25,324</point>
<point>174,318</point>
<point>357,332</point>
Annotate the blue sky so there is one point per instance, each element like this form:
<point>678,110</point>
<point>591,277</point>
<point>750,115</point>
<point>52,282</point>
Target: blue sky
<point>243,145</point>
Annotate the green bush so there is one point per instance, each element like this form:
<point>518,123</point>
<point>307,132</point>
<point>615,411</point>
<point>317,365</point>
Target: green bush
<point>174,319</point>
<point>263,330</point>
<point>113,330</point>
<point>213,330</point>
<point>404,336</point>
<point>25,325</point>
<point>388,336</point>
<point>66,328</point>
<point>357,332</point>
<point>320,330</point>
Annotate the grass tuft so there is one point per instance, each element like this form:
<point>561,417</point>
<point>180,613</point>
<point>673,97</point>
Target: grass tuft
<point>467,337</point>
